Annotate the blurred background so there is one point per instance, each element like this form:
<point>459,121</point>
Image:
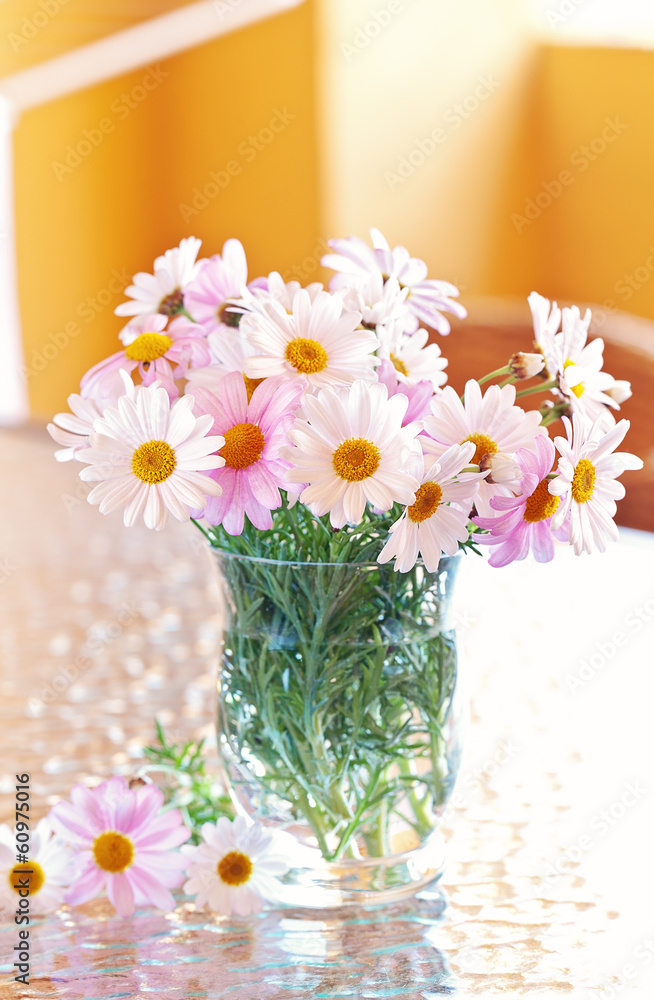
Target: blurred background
<point>510,145</point>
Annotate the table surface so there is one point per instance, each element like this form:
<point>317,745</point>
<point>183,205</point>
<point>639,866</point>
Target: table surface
<point>549,876</point>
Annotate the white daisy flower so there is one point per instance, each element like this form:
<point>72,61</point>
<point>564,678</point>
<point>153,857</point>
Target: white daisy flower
<point>352,449</point>
<point>586,481</point>
<point>163,291</point>
<point>413,358</point>
<point>546,319</point>
<point>382,304</point>
<point>492,422</point>
<point>47,873</point>
<point>237,866</point>
<point>426,296</point>
<point>437,520</point>
<point>579,366</point>
<point>150,457</point>
<point>317,341</point>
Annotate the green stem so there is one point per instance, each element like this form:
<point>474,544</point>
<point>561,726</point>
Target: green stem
<point>543,387</point>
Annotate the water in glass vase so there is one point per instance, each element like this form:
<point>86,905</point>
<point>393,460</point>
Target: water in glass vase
<point>338,718</point>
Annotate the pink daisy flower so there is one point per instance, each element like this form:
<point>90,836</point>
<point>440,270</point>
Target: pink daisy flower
<point>254,430</point>
<point>156,355</point>
<point>125,846</point>
<point>525,521</point>
<point>426,297</point>
<point>490,421</point>
<point>219,279</point>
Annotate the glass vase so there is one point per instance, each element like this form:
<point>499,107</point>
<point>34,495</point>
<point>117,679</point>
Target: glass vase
<point>339,719</point>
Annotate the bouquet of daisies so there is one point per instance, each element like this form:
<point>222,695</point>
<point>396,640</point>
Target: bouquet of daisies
<point>309,430</point>
<point>231,401</point>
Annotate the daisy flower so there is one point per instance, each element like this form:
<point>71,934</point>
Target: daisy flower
<point>163,291</point>
<point>413,358</point>
<point>586,482</point>
<point>525,521</point>
<point>47,873</point>
<point>150,457</point>
<point>253,431</point>
<point>237,866</point>
<point>546,319</point>
<point>579,366</point>
<point>492,422</point>
<point>317,341</point>
<point>352,449</point>
<point>155,355</point>
<point>382,304</point>
<point>124,845</point>
<point>426,296</point>
<point>73,430</point>
<point>218,280</point>
<point>437,520</point>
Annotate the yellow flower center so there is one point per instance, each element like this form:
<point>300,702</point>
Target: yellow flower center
<point>243,445</point>
<point>153,461</point>
<point>583,481</point>
<point>251,384</point>
<point>484,446</point>
<point>113,852</point>
<point>26,875</point>
<point>428,497</point>
<point>306,356</point>
<point>399,365</point>
<point>541,504</point>
<point>148,347</point>
<point>356,459</point>
<point>235,868</point>
<point>578,390</point>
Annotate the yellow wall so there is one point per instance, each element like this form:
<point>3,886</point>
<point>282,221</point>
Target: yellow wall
<point>393,127</point>
<point>82,233</point>
<point>386,88</point>
<point>577,213</point>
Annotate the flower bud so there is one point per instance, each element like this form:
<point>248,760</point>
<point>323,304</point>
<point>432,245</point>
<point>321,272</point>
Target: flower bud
<point>619,391</point>
<point>526,365</point>
<point>504,471</point>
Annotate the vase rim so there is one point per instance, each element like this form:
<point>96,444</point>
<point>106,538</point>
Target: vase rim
<point>305,563</point>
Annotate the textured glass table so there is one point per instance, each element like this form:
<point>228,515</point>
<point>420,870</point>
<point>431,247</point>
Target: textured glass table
<point>549,834</point>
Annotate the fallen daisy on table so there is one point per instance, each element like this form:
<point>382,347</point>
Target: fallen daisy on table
<point>46,874</point>
<point>123,844</point>
<point>237,867</point>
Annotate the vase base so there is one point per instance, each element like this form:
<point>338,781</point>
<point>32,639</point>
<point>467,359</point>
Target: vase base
<point>366,881</point>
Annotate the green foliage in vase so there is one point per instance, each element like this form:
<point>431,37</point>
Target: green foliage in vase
<point>337,681</point>
<point>179,770</point>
